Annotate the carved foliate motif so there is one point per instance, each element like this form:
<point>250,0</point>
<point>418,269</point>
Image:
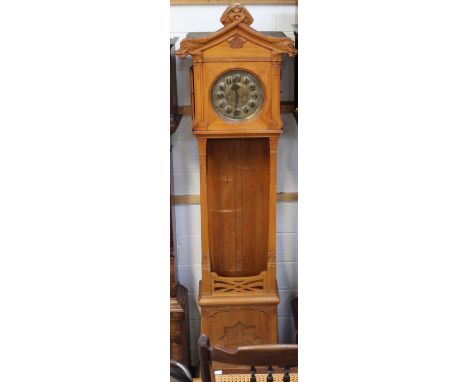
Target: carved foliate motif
<point>236,41</point>
<point>239,335</point>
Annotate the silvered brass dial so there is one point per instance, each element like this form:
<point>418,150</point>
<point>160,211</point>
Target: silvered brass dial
<point>237,95</point>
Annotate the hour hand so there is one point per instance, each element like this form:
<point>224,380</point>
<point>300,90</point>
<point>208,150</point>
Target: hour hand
<point>235,87</point>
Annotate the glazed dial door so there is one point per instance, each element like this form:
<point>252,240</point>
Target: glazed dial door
<point>237,95</point>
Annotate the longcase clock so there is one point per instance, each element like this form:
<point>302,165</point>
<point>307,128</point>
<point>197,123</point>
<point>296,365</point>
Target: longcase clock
<point>237,123</point>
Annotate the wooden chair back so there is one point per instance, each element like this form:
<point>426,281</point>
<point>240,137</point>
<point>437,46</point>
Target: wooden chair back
<point>278,355</point>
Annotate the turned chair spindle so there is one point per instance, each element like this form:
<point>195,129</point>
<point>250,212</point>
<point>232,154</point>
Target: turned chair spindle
<point>253,378</point>
<point>270,374</point>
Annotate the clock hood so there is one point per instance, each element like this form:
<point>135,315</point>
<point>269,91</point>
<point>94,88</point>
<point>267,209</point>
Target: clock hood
<point>238,35</point>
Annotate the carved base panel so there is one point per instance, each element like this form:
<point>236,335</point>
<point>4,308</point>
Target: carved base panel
<point>230,325</point>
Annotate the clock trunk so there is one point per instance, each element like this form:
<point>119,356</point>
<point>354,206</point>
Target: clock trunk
<point>237,191</point>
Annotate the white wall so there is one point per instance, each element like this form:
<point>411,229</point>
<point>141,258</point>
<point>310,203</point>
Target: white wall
<point>200,18</point>
<point>205,18</point>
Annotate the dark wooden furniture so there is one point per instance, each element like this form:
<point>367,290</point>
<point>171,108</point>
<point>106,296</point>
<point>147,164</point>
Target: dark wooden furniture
<point>179,335</point>
<point>179,309</point>
<point>174,124</point>
<point>296,61</point>
<point>294,310</point>
<point>272,357</point>
<point>175,116</point>
<point>179,373</point>
<point>237,122</point>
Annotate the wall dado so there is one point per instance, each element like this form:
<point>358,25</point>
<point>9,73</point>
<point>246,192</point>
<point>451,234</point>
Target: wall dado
<point>201,18</point>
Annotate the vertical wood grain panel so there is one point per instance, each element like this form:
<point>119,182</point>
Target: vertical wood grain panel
<point>238,180</point>
<point>222,205</point>
<point>255,184</point>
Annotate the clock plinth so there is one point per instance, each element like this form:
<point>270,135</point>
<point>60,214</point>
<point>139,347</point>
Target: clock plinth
<point>237,122</point>
<point>242,320</point>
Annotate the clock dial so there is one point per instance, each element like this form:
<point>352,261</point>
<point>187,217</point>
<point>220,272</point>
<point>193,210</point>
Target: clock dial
<point>237,95</point>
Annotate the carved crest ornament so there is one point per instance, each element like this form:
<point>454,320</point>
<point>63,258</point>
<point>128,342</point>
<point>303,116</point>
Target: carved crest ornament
<point>236,13</point>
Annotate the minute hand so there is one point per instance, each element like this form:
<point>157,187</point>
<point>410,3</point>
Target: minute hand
<point>235,103</point>
<point>235,88</point>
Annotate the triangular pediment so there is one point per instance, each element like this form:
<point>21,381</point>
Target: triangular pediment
<point>236,32</point>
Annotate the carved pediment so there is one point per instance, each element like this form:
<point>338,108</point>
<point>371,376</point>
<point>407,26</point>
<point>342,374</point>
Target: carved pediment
<point>236,21</point>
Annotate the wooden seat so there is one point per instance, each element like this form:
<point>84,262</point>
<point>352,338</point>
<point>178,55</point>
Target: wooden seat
<point>179,373</point>
<point>279,356</point>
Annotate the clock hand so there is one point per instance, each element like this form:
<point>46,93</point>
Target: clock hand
<point>235,88</point>
<point>235,103</point>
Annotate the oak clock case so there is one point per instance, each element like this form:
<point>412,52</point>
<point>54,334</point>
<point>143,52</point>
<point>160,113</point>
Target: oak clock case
<point>237,123</point>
